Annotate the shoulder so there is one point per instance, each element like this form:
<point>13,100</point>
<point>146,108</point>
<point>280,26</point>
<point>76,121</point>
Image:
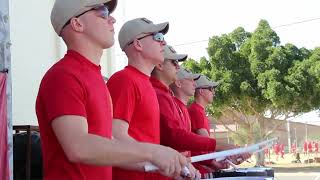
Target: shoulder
<point>59,73</point>
<point>192,107</point>
<point>120,77</point>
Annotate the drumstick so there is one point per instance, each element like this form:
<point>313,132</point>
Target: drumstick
<point>231,164</point>
<point>223,154</point>
<point>148,167</point>
<point>249,149</point>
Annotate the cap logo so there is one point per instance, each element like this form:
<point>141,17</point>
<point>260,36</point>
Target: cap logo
<point>146,20</point>
<point>172,50</point>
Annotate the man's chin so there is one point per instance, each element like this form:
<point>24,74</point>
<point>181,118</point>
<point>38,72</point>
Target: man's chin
<point>108,44</point>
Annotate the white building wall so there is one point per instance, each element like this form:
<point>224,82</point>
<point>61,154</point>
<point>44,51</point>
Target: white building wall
<point>35,48</point>
<point>33,51</point>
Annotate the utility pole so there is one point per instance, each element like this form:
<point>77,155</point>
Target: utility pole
<point>5,66</point>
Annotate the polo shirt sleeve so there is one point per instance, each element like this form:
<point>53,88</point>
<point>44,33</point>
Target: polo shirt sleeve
<point>63,94</point>
<point>123,95</point>
<point>197,119</point>
<point>173,135</point>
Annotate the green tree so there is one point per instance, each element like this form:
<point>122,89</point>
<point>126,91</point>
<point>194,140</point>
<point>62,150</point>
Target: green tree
<point>260,80</point>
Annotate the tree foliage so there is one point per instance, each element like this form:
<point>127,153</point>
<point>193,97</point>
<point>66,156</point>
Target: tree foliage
<point>260,80</point>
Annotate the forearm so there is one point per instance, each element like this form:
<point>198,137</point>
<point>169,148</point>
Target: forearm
<point>203,132</point>
<point>186,141</point>
<point>123,137</point>
<point>134,166</point>
<point>97,150</point>
<point>221,146</point>
<point>120,129</point>
<point>82,147</point>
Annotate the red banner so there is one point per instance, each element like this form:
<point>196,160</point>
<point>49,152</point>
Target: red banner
<point>4,163</point>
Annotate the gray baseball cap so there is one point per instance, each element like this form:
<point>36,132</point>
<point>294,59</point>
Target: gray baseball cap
<point>139,26</point>
<point>186,74</point>
<point>204,82</point>
<point>170,53</point>
<point>64,10</point>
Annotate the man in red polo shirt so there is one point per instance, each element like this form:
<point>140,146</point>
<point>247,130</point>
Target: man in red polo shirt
<point>316,147</point>
<point>73,105</point>
<point>136,108</point>
<point>204,95</point>
<point>173,130</point>
<point>183,88</point>
<point>174,120</point>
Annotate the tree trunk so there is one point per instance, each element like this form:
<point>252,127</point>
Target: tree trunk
<point>260,159</point>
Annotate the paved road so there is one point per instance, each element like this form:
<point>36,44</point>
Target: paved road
<point>297,176</point>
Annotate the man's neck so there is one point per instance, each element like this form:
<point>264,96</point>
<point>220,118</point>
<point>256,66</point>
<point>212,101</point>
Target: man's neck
<point>182,97</point>
<point>92,53</point>
<point>163,80</point>
<point>143,67</point>
<point>201,102</point>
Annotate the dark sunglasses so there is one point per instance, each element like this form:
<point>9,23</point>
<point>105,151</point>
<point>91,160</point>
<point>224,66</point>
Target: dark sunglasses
<point>208,88</point>
<point>174,62</point>
<point>156,36</point>
<point>103,12</point>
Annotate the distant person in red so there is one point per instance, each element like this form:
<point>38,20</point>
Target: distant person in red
<point>266,152</point>
<point>281,148</point>
<point>310,147</point>
<point>305,147</point>
<point>316,147</point>
<point>277,150</point>
<point>293,148</point>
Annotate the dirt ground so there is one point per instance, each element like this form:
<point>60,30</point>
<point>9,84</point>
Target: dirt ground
<point>285,165</point>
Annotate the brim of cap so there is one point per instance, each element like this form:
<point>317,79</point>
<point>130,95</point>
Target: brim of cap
<point>182,57</point>
<point>211,84</point>
<point>214,84</point>
<point>190,76</point>
<point>196,76</point>
<point>162,28</point>
<point>112,5</point>
<point>178,57</point>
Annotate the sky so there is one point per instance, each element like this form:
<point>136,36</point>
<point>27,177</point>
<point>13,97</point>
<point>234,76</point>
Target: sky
<point>193,22</point>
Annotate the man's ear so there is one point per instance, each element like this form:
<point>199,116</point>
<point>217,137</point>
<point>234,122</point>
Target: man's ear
<point>76,24</point>
<point>137,45</point>
<point>201,91</point>
<point>178,83</point>
<point>159,67</point>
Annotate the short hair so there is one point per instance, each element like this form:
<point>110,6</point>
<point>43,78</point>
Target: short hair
<point>173,87</point>
<point>197,93</point>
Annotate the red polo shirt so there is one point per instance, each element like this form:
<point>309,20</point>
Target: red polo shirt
<point>135,101</point>
<point>186,116</point>
<point>198,117</point>
<point>73,86</point>
<point>199,120</point>
<point>172,124</point>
